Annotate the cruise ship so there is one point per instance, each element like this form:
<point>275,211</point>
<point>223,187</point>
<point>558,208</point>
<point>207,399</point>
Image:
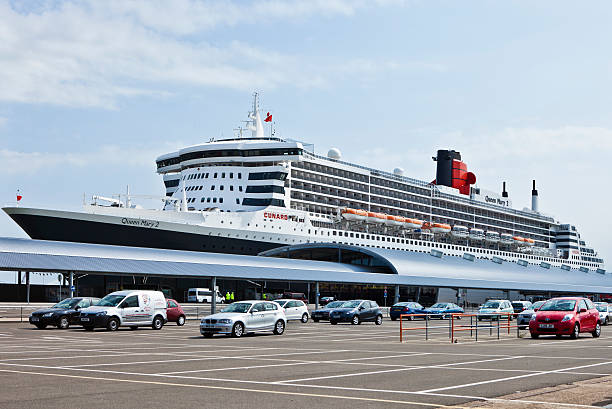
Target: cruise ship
<point>249,194</point>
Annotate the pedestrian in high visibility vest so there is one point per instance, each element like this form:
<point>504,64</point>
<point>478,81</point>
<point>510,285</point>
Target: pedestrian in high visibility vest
<point>264,296</point>
<point>227,296</point>
<point>232,296</point>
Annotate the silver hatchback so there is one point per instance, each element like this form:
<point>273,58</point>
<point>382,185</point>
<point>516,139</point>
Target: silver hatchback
<point>243,317</point>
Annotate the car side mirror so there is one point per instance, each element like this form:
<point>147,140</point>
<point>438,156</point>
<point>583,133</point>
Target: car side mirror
<point>361,308</point>
<point>76,308</point>
<point>583,310</point>
<point>254,310</point>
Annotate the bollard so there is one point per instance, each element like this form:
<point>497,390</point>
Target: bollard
<point>426,328</point>
<point>20,314</point>
<point>476,330</point>
<point>498,322</point>
<point>401,329</point>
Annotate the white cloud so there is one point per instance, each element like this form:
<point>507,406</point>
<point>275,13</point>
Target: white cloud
<point>90,54</point>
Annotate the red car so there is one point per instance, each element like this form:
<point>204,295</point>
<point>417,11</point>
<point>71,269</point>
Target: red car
<point>175,312</point>
<point>565,316</point>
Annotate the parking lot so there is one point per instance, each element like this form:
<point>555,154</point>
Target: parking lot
<point>312,365</point>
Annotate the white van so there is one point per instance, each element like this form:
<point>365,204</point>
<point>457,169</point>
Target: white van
<point>203,295</point>
<point>132,308</point>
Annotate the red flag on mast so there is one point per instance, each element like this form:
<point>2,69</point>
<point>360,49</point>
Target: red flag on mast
<point>268,117</point>
<point>19,197</point>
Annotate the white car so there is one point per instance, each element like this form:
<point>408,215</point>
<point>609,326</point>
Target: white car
<point>604,312</point>
<point>294,310</point>
<point>495,309</point>
<point>132,308</point>
<point>243,317</point>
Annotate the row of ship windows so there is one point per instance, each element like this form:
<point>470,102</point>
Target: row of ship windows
<point>228,153</point>
<point>245,202</point>
<point>249,189</point>
<point>215,175</point>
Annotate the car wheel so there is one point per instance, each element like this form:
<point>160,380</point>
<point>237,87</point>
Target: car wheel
<point>535,336</point>
<point>410,318</point>
<point>576,332</point>
<point>355,320</point>
<point>63,323</point>
<point>237,330</point>
<point>607,321</point>
<point>304,318</point>
<point>378,320</point>
<point>208,334</point>
<point>133,328</point>
<point>112,324</point>
<point>315,319</point>
<point>181,321</point>
<point>558,335</point>
<point>393,318</point>
<point>88,328</point>
<point>279,327</point>
<point>333,322</point>
<point>41,326</point>
<point>597,331</point>
<point>158,322</point>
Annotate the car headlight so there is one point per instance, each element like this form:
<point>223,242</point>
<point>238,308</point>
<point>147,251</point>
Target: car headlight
<point>224,321</point>
<point>101,313</point>
<point>49,314</point>
<point>567,317</point>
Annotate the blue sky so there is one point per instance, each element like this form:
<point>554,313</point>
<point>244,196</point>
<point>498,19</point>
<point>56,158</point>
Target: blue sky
<point>91,92</point>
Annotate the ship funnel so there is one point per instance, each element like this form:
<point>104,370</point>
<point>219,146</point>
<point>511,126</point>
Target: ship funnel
<point>534,198</point>
<point>504,193</point>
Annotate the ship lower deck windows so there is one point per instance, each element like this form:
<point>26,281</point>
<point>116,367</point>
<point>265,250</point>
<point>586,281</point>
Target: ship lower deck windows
<point>263,202</point>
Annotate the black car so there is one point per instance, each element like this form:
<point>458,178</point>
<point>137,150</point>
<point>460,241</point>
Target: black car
<point>356,312</point>
<point>322,314</point>
<point>62,314</point>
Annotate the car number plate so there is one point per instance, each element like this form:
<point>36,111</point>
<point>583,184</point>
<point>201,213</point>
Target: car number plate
<point>547,325</point>
<point>84,319</point>
<point>35,318</point>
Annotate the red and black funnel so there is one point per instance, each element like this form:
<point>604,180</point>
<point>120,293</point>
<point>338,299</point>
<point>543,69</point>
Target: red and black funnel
<point>452,172</point>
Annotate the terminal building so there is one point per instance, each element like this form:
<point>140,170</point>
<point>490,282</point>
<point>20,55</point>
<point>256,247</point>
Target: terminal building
<point>324,269</point>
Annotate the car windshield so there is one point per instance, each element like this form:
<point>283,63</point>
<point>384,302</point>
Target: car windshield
<point>237,307</point>
<point>601,308</point>
<point>559,305</point>
<point>351,304</point>
<point>111,300</point>
<point>438,305</point>
<point>538,304</point>
<point>491,304</point>
<point>281,302</point>
<point>402,304</point>
<point>334,304</point>
<point>518,305</point>
<point>67,303</point>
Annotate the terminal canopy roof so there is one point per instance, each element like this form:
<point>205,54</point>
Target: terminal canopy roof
<point>323,262</point>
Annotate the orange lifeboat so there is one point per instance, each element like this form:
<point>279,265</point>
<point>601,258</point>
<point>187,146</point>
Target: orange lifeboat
<point>354,214</point>
<point>412,223</point>
<point>394,221</point>
<point>530,242</point>
<point>518,240</point>
<point>437,228</point>
<point>378,218</point>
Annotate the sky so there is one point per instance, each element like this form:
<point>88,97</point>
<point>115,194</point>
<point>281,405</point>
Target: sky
<point>91,92</point>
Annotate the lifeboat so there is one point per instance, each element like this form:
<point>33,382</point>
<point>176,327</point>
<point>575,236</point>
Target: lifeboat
<point>354,214</point>
<point>506,238</point>
<point>530,242</point>
<point>476,234</point>
<point>437,228</point>
<point>492,237</point>
<point>518,240</point>
<point>378,218</point>
<point>394,221</point>
<point>459,231</point>
<point>412,223</point>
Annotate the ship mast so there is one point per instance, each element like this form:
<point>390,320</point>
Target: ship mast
<point>256,126</point>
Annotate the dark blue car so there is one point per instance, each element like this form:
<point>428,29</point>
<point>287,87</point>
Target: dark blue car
<point>407,307</point>
<point>443,310</point>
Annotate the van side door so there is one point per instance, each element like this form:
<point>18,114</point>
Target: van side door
<point>130,310</point>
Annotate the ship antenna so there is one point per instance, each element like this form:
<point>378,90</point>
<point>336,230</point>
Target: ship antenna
<point>256,126</point>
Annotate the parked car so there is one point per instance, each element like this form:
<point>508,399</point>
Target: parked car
<point>407,307</point>
<point>63,314</point>
<point>520,306</point>
<point>605,310</point>
<point>203,295</point>
<point>326,300</point>
<point>294,309</point>
<point>295,296</point>
<point>243,317</point>
<point>566,316</point>
<point>522,320</point>
<point>175,312</point>
<point>322,314</point>
<point>356,312</point>
<point>443,310</point>
<point>132,308</point>
<point>495,309</point>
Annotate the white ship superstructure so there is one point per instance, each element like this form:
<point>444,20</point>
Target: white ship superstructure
<point>249,194</point>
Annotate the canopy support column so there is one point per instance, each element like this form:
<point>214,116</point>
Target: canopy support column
<point>213,299</point>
